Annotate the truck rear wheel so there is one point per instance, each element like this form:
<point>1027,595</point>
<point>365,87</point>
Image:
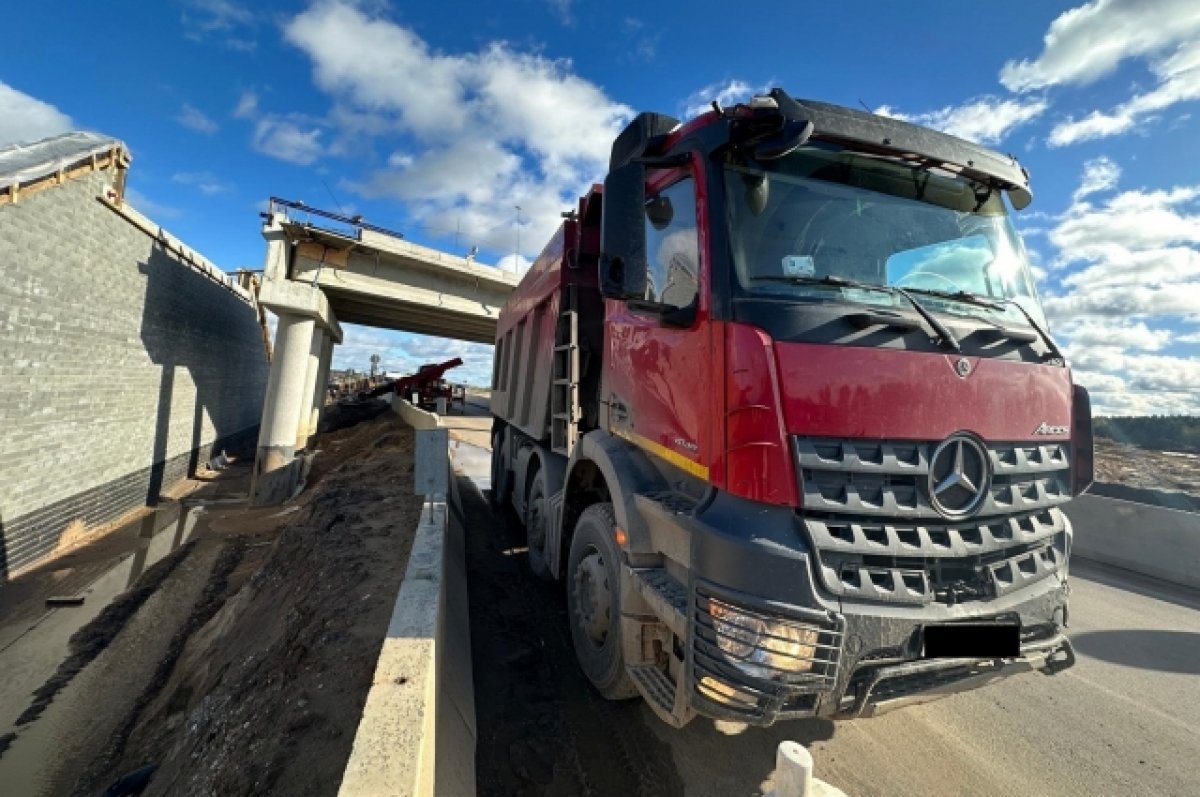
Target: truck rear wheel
<point>537,523</point>
<point>499,472</point>
<point>594,602</point>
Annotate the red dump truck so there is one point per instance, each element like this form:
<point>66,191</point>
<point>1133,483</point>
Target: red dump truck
<point>779,405</point>
<point>427,385</point>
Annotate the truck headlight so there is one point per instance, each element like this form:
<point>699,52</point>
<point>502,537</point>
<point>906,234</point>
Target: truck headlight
<point>762,647</point>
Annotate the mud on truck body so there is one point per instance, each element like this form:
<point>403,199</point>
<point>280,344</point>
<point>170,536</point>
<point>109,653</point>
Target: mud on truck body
<point>778,404</point>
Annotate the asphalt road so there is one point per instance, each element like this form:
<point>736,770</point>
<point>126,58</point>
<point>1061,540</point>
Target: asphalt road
<point>1125,720</point>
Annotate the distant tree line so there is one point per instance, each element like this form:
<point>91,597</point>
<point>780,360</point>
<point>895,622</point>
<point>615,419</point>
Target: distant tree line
<point>1164,432</point>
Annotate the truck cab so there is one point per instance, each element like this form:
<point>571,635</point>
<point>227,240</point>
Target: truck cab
<point>780,407</point>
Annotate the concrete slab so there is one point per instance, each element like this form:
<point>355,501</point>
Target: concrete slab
<point>417,733</point>
<point>394,746</point>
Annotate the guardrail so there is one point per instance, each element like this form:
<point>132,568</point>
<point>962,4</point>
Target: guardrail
<point>1151,540</point>
<point>417,732</point>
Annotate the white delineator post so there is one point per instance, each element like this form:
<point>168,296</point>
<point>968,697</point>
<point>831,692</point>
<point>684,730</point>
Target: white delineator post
<point>794,774</point>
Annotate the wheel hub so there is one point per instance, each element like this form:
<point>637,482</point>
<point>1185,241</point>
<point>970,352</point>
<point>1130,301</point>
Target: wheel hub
<point>593,599</point>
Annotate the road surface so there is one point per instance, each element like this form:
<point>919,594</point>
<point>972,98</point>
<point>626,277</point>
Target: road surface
<point>1124,720</point>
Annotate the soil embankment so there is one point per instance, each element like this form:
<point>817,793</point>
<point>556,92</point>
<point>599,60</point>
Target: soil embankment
<point>257,684</point>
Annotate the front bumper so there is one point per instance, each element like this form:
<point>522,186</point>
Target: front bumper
<point>870,653</point>
<point>859,678</point>
<point>886,688</point>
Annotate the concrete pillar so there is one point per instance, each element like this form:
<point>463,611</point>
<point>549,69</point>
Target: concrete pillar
<point>308,392</point>
<point>275,470</point>
<point>320,389</point>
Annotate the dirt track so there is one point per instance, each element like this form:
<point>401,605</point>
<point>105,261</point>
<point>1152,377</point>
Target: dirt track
<point>542,729</point>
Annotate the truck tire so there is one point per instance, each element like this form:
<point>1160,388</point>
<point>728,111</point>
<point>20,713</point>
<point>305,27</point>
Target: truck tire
<point>594,602</point>
<point>496,495</point>
<point>537,524</point>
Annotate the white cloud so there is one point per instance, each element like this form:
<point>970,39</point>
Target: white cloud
<point>207,20</point>
<point>1089,42</point>
<point>1137,239</point>
<point>986,120</point>
<point>1178,81</point>
<point>514,263</point>
<point>1095,334</point>
<point>1099,174</point>
<point>475,133</point>
<point>247,107</point>
<point>149,207</point>
<point>562,9</point>
<point>206,183</point>
<point>294,138</point>
<point>641,40</point>
<point>287,140</point>
<point>1128,269</point>
<point>195,119</point>
<point>725,93</point>
<point>24,119</point>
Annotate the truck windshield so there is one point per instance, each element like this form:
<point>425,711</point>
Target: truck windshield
<point>822,213</point>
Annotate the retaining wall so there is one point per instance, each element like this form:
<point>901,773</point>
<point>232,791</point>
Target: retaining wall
<point>122,365</point>
<point>1151,540</point>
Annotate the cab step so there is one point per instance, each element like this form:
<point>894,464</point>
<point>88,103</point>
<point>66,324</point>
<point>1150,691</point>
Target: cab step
<point>656,687</point>
<point>666,596</point>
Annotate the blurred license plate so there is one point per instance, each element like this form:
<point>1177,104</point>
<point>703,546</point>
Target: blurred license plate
<point>973,640</point>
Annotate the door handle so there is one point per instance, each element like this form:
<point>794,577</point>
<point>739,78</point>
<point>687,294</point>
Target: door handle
<point>618,411</point>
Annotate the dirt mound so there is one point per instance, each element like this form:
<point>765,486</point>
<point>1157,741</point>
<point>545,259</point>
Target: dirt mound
<point>1164,478</point>
<point>263,692</point>
<point>351,413</point>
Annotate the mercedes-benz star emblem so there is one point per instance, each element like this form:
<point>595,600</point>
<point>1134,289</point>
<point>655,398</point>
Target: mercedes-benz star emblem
<point>959,476</point>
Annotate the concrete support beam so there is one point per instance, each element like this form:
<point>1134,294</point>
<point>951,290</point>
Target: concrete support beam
<point>276,471</point>
<point>304,427</point>
<point>281,293</point>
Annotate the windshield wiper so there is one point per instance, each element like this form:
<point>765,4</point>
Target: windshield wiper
<point>997,304</point>
<point>943,334</point>
<point>1054,350</point>
<point>958,296</point>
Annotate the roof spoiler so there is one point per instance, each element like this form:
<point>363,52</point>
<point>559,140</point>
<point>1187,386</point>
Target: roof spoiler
<point>886,136</point>
<point>856,130</point>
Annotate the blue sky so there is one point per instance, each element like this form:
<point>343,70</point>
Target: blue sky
<point>436,119</point>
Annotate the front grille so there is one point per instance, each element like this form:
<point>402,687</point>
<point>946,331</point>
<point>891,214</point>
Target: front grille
<point>925,563</point>
<point>770,691</point>
<point>877,537</point>
<point>888,478</point>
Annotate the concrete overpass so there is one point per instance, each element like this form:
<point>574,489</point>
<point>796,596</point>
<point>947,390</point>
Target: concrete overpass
<point>318,275</point>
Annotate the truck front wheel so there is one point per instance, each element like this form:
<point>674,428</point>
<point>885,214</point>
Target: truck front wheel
<point>594,602</point>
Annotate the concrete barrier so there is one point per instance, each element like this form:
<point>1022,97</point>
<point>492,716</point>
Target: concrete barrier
<point>1150,540</point>
<point>415,417</point>
<point>417,732</point>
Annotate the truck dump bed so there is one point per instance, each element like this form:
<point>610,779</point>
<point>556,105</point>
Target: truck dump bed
<point>532,325</point>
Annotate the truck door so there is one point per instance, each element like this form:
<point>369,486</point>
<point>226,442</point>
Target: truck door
<point>658,378</point>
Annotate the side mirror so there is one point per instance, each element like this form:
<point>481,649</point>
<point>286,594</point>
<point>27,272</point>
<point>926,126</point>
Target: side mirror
<point>623,233</point>
<point>1082,445</point>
